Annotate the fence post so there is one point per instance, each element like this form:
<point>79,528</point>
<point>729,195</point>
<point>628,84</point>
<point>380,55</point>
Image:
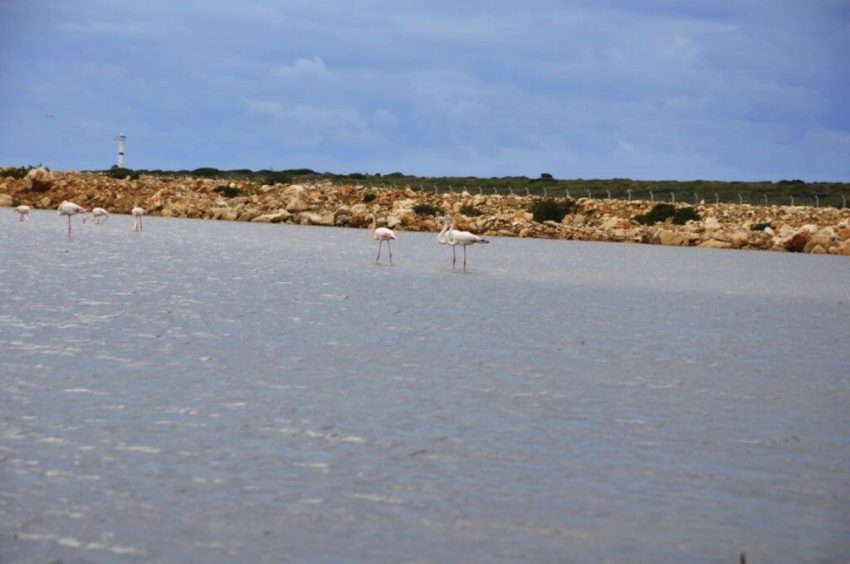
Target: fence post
<point>629,192</point>
<point>817,201</point>
<point>511,190</point>
<point>696,198</point>
<point>609,193</point>
<point>740,199</point>
<point>495,193</point>
<point>716,199</point>
<point>567,191</point>
<point>765,200</point>
<point>843,201</point>
<point>527,193</point>
<point>792,200</point>
<point>589,195</point>
<point>545,193</point>
<point>651,196</point>
<point>672,198</point>
<point>435,189</point>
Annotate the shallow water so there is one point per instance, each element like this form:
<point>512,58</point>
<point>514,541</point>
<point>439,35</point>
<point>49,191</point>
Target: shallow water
<point>214,391</point>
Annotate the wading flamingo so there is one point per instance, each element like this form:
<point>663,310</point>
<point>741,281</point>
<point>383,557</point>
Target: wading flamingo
<point>23,212</point>
<point>443,235</point>
<point>69,209</point>
<point>137,218</point>
<point>381,234</point>
<point>98,215</point>
<point>462,238</point>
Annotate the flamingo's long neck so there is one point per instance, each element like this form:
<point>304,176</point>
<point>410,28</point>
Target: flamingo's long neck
<point>442,236</point>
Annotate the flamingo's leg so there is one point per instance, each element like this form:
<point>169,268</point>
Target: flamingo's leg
<point>389,247</point>
<point>380,243</point>
<point>69,227</point>
<point>464,258</point>
<point>454,256</point>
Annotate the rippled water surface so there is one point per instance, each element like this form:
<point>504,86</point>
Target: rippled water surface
<point>212,391</point>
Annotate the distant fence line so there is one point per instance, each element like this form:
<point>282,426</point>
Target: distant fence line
<point>693,198</point>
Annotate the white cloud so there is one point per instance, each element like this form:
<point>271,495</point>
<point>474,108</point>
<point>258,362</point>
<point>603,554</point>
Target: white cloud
<point>303,68</point>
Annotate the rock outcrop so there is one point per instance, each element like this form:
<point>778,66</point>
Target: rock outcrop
<point>722,226</point>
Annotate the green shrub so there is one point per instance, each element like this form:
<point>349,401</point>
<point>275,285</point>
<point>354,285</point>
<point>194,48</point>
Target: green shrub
<point>425,209</point>
<point>470,211</point>
<point>206,172</point>
<point>368,197</point>
<point>683,215</point>
<point>659,214</point>
<point>551,209</point>
<point>228,191</point>
<point>120,172</point>
<point>18,172</point>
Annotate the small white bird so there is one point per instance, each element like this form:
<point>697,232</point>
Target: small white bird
<point>98,215</point>
<point>462,238</point>
<point>137,218</point>
<point>381,234</point>
<point>69,209</point>
<point>23,212</point>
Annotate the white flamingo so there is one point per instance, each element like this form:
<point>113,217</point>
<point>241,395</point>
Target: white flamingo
<point>137,218</point>
<point>69,209</point>
<point>443,235</point>
<point>23,212</point>
<point>99,215</point>
<point>381,234</point>
<point>462,238</point>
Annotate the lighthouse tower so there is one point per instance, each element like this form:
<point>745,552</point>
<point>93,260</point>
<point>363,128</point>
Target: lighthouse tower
<point>122,139</point>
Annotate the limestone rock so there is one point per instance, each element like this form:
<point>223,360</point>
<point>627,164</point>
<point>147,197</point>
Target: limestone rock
<point>276,217</point>
<point>39,179</point>
<point>5,200</point>
<point>715,244</point>
<point>671,238</point>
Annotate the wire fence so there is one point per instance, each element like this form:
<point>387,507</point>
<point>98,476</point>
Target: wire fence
<point>675,197</point>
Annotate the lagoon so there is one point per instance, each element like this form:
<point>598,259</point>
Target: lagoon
<point>216,391</point>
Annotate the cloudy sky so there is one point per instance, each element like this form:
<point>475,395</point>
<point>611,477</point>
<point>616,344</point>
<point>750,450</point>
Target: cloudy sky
<point>645,89</point>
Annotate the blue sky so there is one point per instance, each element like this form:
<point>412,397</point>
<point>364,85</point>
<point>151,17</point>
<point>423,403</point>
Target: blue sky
<point>644,89</point>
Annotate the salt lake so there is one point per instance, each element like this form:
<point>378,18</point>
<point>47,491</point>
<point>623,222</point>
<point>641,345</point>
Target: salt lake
<point>212,391</point>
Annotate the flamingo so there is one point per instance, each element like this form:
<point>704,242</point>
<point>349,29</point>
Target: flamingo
<point>381,234</point>
<point>69,209</point>
<point>98,214</point>
<point>462,238</point>
<point>443,235</point>
<point>24,212</point>
<point>137,218</point>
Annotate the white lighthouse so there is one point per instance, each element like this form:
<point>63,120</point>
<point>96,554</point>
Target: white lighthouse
<point>122,139</point>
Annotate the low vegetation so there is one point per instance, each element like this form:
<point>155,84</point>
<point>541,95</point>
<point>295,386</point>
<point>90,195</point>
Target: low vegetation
<point>551,209</point>
<point>425,209</point>
<point>228,191</point>
<point>660,213</point>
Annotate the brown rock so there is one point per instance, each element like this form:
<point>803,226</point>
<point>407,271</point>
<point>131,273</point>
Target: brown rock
<point>798,241</point>
<point>715,244</point>
<point>671,238</point>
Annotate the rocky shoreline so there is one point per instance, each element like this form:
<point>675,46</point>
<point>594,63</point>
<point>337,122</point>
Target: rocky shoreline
<point>722,226</point>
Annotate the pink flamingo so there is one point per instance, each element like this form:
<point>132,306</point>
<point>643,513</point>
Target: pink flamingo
<point>381,234</point>
<point>98,214</point>
<point>24,212</point>
<point>137,218</point>
<point>69,209</point>
<point>462,238</point>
